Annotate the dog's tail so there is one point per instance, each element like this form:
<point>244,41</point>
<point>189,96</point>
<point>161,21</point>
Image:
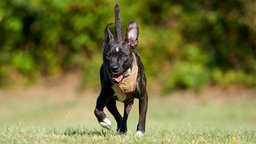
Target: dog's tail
<point>118,23</point>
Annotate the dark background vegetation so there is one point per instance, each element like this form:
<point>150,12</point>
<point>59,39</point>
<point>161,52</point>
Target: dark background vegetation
<point>183,44</point>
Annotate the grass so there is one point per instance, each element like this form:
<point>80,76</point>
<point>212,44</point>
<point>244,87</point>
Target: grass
<point>170,120</point>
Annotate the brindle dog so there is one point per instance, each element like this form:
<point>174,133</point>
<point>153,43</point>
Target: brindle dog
<point>122,77</point>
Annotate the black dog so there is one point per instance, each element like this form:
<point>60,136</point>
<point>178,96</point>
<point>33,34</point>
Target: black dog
<point>122,78</point>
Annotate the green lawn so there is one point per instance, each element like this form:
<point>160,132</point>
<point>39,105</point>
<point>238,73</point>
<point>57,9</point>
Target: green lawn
<point>170,120</point>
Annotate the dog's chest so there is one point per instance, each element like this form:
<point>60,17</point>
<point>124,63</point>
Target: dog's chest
<point>119,93</point>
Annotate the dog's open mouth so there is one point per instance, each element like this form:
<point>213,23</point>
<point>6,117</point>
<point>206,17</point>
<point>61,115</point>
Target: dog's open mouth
<point>117,78</point>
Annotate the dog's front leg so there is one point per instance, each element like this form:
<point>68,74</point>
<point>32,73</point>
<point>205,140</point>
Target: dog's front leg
<point>111,106</point>
<point>99,113</point>
<point>143,106</point>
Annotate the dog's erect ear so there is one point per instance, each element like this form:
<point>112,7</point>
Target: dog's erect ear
<point>132,34</point>
<point>108,36</point>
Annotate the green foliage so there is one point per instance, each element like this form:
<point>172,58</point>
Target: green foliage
<point>23,62</point>
<point>187,75</point>
<point>185,44</point>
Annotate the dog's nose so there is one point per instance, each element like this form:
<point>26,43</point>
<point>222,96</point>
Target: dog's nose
<point>114,68</point>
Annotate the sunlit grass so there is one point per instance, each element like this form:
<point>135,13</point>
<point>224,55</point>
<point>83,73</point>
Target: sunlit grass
<point>54,120</point>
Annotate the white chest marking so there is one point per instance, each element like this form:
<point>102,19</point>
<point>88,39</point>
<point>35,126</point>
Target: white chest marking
<point>120,95</point>
<point>117,49</point>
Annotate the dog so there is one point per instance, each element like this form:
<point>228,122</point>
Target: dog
<point>122,78</point>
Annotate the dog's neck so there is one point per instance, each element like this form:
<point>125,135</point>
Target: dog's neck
<point>129,70</point>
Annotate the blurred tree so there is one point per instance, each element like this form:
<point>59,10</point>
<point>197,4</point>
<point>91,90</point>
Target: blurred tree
<point>185,44</point>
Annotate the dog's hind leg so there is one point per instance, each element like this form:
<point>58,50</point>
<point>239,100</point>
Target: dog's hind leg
<point>143,106</point>
<point>111,106</point>
<point>127,108</point>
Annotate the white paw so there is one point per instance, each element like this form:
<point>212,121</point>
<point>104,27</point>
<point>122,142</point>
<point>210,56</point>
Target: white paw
<point>106,123</point>
<point>139,133</point>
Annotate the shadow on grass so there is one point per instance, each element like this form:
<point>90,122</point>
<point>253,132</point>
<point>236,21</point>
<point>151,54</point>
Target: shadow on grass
<point>81,132</point>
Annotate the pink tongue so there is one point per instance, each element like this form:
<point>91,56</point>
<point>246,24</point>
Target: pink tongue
<point>118,78</point>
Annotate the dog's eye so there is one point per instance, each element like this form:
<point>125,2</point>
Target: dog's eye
<point>125,55</point>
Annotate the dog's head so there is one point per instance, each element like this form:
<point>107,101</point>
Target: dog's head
<point>118,54</point>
